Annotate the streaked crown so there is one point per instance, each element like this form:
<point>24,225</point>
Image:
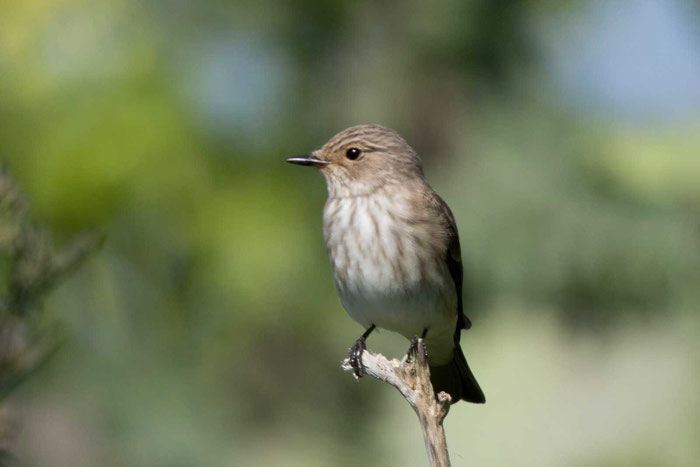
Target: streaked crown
<point>364,158</point>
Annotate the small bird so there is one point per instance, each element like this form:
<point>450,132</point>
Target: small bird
<point>394,250</point>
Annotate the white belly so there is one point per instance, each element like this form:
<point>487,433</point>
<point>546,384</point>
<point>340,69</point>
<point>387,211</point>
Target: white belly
<point>387,274</point>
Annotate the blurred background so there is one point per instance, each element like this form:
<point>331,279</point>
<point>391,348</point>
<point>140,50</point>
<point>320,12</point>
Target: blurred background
<point>206,329</point>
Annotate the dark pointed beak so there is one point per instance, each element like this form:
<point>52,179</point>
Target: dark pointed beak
<point>307,160</point>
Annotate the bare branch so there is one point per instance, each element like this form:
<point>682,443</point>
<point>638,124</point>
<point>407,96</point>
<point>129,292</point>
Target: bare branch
<point>411,376</point>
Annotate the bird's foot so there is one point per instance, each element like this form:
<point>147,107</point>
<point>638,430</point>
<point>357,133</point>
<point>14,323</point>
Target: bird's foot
<point>414,348</point>
<point>355,356</point>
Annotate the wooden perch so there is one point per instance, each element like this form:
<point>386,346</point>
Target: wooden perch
<point>411,376</point>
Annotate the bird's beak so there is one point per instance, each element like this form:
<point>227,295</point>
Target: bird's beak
<point>308,160</point>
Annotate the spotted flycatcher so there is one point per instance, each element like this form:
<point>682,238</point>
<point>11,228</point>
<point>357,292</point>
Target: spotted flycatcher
<point>394,250</point>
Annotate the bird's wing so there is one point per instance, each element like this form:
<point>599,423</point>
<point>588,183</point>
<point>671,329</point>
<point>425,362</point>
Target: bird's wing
<point>453,257</point>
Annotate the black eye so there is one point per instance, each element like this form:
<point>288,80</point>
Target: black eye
<point>353,153</point>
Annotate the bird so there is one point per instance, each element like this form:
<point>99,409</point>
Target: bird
<point>394,250</point>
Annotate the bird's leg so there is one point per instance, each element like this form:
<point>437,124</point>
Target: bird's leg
<point>413,348</point>
<point>355,355</point>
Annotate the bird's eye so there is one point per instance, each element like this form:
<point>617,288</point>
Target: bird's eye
<point>353,153</point>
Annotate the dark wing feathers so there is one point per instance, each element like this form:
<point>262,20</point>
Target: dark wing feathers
<point>456,378</point>
<point>453,257</point>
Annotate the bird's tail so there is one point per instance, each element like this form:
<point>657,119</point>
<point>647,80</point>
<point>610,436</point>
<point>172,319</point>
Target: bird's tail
<point>457,379</point>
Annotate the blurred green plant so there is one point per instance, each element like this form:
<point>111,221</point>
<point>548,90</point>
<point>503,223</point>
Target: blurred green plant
<point>30,265</point>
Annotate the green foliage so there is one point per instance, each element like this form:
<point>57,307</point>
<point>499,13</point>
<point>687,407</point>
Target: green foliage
<point>29,267</point>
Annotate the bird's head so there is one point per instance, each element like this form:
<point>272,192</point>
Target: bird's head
<point>362,159</point>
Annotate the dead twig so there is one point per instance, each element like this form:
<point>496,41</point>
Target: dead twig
<point>411,376</point>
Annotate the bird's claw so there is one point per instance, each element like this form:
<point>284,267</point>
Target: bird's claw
<point>413,348</point>
<point>355,356</point>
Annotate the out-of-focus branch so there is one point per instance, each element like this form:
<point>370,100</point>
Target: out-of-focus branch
<point>411,376</point>
<point>30,265</point>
